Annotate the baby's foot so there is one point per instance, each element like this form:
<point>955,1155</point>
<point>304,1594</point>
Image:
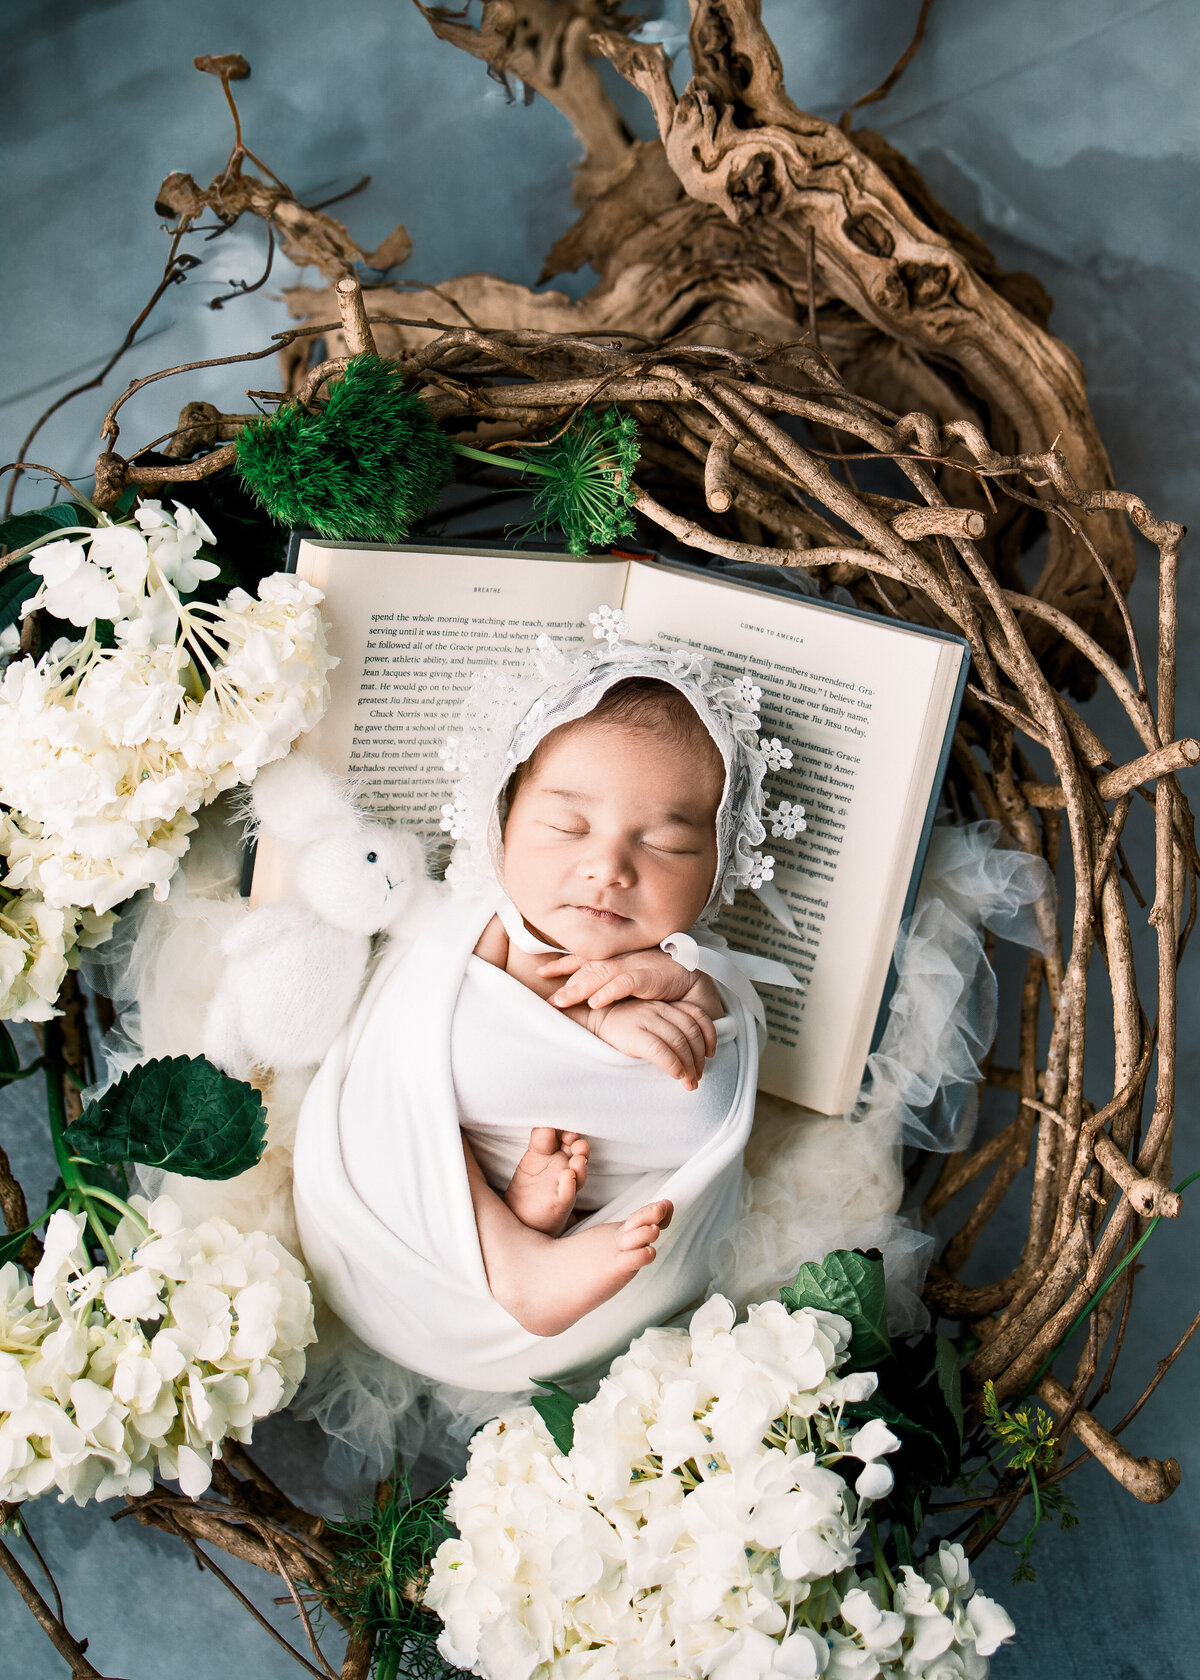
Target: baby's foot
<point>549,1176</point>
<point>549,1285</point>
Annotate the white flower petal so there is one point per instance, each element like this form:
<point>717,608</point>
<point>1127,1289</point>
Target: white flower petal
<point>990,1623</point>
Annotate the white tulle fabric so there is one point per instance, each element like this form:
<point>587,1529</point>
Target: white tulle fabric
<point>809,1183</point>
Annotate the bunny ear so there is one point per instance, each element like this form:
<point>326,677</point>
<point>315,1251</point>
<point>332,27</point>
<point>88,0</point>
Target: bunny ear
<point>296,801</point>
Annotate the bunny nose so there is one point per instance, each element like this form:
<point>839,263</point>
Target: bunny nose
<point>389,881</point>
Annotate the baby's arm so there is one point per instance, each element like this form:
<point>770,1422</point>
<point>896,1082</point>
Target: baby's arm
<point>650,975</point>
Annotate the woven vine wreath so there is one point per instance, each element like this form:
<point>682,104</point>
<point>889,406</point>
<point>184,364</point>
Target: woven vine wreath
<point>788,314</point>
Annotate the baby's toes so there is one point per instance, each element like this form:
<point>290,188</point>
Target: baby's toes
<point>643,1227</point>
<point>543,1140</point>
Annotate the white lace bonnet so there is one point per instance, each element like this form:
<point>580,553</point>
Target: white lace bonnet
<point>507,714</point>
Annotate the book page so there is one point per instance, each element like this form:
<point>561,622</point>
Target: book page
<point>411,629</point>
<point>852,698</point>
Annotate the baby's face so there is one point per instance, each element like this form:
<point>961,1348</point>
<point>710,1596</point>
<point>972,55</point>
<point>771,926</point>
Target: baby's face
<point>611,842</point>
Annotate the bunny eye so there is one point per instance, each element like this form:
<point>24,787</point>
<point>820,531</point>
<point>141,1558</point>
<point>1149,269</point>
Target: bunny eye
<point>372,857</point>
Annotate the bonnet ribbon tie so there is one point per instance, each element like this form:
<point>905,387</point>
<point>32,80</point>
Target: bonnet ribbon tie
<point>734,970</point>
<point>514,927</point>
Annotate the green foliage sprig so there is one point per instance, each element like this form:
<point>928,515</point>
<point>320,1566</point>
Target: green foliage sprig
<point>372,460</point>
<point>362,467</point>
<point>1027,1443</point>
<point>587,487</point>
<point>384,1552</point>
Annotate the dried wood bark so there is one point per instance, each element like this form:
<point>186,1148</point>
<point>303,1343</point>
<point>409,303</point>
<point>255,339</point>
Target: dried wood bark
<point>746,218</point>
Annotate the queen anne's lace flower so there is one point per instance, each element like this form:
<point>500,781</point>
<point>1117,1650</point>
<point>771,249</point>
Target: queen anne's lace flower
<point>699,1526</point>
<point>787,820</point>
<point>105,752</point>
<point>107,1379</point>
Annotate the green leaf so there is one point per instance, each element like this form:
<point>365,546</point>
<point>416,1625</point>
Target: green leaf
<point>25,528</point>
<point>11,1244</point>
<point>180,1113</point>
<point>949,1377</point>
<point>849,1282</point>
<point>10,1061</point>
<point>557,1412</point>
<point>17,585</point>
<point>17,582</point>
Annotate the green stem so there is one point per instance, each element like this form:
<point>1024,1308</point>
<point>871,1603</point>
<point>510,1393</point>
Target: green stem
<point>55,535</point>
<point>502,460</point>
<point>23,1073</point>
<point>122,1207</point>
<point>1104,1288</point>
<point>34,1224</point>
<point>881,1568</point>
<point>79,1192</point>
<point>58,1119</point>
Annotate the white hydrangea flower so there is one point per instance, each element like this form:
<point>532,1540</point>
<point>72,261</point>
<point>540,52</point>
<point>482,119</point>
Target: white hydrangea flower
<point>778,756</point>
<point>39,942</point>
<point>73,588</point>
<point>608,623</point>
<point>109,1379</point>
<point>787,820</point>
<point>762,868</point>
<point>175,542</point>
<point>871,1443</point>
<point>106,752</point>
<point>699,1525</point>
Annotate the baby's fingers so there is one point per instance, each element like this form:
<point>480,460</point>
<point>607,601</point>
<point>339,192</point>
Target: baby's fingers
<point>680,1033</point>
<point>621,985</point>
<point>654,1047</point>
<point>704,1021</point>
<point>597,984</point>
<point>566,964</point>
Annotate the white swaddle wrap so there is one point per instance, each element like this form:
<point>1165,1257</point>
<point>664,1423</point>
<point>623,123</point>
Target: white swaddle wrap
<point>518,1063</point>
<point>384,1206</point>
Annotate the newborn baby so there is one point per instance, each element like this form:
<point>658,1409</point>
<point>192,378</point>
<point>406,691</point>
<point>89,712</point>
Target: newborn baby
<point>609,847</point>
<point>519,1152</point>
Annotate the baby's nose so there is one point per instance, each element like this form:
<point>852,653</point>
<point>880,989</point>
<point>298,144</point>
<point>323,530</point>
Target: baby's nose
<point>611,863</point>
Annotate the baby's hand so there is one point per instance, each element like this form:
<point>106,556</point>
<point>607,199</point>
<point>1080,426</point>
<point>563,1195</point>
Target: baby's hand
<point>650,975</point>
<point>676,1037</point>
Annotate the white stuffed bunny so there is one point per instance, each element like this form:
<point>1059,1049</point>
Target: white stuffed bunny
<point>292,970</point>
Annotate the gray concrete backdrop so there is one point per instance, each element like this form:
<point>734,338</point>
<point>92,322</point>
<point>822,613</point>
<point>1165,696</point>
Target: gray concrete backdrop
<point>1066,131</point>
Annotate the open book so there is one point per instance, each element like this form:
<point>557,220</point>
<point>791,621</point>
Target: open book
<point>866,703</point>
